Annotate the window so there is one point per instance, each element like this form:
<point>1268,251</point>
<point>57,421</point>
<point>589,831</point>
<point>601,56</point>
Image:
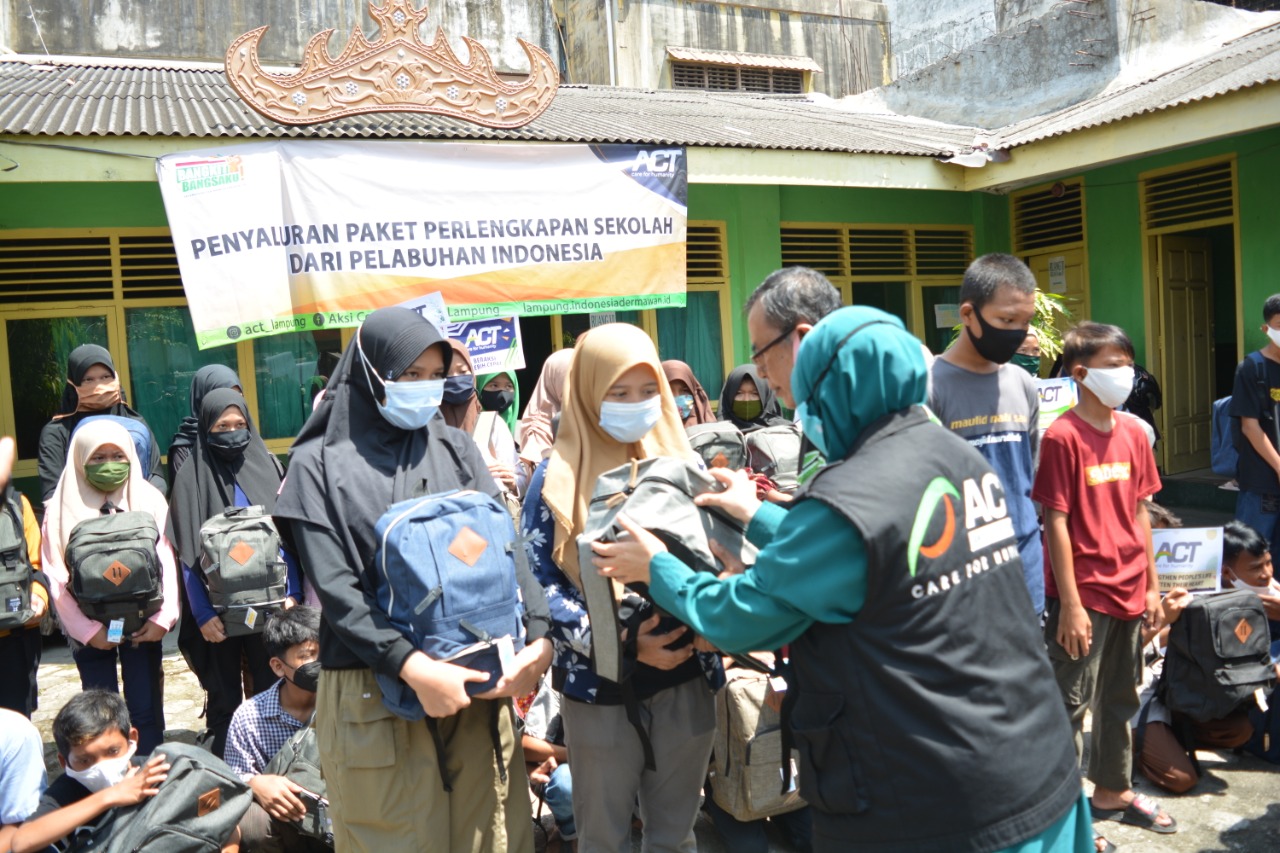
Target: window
<point>287,372</point>
<point>736,78</point>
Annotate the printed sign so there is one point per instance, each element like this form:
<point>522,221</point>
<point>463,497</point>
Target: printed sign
<point>494,345</point>
<point>1056,397</point>
<point>297,235</point>
<point>432,307</point>
<point>946,316</point>
<point>602,318</point>
<point>1058,274</point>
<point>1189,557</point>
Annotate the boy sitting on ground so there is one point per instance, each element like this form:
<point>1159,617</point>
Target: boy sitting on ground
<point>1246,564</point>
<point>96,748</point>
<point>262,725</point>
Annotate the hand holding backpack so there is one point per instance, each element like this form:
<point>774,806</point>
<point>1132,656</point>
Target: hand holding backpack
<point>240,560</point>
<point>299,762</point>
<point>114,567</point>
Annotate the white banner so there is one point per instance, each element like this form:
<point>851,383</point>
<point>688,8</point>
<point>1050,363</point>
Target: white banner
<point>1189,557</point>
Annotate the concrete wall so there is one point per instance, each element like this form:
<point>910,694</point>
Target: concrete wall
<point>202,29</point>
<point>924,33</point>
<point>852,50</point>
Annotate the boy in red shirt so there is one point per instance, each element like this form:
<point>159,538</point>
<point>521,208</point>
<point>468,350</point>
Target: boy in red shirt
<point>1095,470</point>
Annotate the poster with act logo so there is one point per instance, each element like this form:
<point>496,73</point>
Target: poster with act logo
<point>1189,557</point>
<point>298,235</point>
<point>1056,397</point>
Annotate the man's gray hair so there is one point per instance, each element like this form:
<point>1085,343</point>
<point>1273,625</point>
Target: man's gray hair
<point>794,295</point>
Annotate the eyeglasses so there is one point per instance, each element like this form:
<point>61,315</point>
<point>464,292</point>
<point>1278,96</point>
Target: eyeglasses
<point>756,354</point>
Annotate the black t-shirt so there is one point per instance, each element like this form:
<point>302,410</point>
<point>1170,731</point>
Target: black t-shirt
<point>1255,397</point>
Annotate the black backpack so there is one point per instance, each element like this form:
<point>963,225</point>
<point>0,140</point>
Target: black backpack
<point>198,806</point>
<point>115,570</point>
<point>240,561</point>
<point>299,762</point>
<point>1218,656</point>
<point>15,566</point>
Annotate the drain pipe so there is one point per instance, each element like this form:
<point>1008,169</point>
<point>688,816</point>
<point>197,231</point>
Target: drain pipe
<point>613,59</point>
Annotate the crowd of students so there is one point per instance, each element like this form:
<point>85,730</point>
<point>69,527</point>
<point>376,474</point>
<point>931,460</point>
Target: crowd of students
<point>905,581</point>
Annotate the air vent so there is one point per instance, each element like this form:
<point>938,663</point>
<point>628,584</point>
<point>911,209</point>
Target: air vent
<point>1048,217</point>
<point>877,253</point>
<point>823,249</point>
<point>149,268</point>
<point>55,269</point>
<point>733,78</point>
<point>943,252</point>
<point>1192,195</point>
<point>706,251</point>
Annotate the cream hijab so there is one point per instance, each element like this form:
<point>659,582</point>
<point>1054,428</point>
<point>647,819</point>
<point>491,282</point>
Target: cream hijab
<point>533,433</point>
<point>74,500</point>
<point>583,450</point>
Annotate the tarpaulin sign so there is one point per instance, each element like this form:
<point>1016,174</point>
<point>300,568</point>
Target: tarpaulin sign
<point>299,235</point>
<point>1056,397</point>
<point>1189,557</point>
<point>494,344</point>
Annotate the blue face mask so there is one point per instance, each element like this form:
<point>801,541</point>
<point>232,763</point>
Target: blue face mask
<point>684,404</point>
<point>629,422</point>
<point>408,405</point>
<point>459,389</point>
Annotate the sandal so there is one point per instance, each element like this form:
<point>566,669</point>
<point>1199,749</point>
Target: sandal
<point>1142,813</point>
<point>1105,847</point>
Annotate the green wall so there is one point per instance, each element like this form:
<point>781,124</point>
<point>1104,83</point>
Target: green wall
<point>77,205</point>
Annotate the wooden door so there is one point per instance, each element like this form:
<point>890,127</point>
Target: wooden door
<point>1062,273</point>
<point>1184,278</point>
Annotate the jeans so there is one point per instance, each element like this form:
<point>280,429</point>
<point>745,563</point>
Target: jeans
<point>1261,513</point>
<point>558,795</point>
<point>143,684</point>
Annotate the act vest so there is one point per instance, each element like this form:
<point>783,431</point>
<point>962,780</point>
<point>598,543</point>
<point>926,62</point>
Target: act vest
<point>932,721</point>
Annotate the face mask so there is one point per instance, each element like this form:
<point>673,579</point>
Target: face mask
<point>307,676</point>
<point>1111,385</point>
<point>408,405</point>
<point>684,404</point>
<point>95,398</point>
<point>1274,335</point>
<point>229,445</point>
<point>628,422</point>
<point>105,773</point>
<point>998,345</point>
<point>747,410</point>
<point>1029,363</point>
<point>107,476</point>
<point>459,389</point>
<point>811,426</point>
<point>1256,590</point>
<point>496,401</point>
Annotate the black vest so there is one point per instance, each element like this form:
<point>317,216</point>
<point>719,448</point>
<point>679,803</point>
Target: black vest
<point>932,721</point>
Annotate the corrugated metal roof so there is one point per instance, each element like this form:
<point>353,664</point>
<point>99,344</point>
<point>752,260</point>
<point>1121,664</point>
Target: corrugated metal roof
<point>1249,60</point>
<point>751,60</point>
<point>47,96</point>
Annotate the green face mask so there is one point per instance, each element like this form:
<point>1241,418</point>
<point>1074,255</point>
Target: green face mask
<point>1029,363</point>
<point>107,476</point>
<point>747,410</point>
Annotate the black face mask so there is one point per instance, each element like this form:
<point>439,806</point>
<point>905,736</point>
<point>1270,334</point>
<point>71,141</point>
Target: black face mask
<point>496,401</point>
<point>998,345</point>
<point>307,676</point>
<point>229,445</point>
<point>459,389</point>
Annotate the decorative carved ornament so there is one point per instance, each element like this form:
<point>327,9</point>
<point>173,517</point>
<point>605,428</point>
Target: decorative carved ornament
<point>395,73</point>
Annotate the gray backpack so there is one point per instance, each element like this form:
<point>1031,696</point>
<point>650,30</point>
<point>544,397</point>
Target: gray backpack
<point>720,444</point>
<point>775,452</point>
<point>299,762</point>
<point>240,558</point>
<point>198,806</point>
<point>114,567</point>
<point>15,566</point>
<point>658,495</point>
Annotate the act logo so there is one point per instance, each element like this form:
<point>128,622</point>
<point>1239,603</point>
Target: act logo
<point>939,491</point>
<point>1177,552</point>
<point>662,162</point>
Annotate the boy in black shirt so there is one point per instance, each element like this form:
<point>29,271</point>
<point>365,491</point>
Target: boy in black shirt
<point>1253,411</point>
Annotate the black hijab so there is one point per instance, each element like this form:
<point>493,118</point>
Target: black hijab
<point>81,359</point>
<point>348,464</point>
<point>211,377</point>
<point>206,485</point>
<point>770,412</point>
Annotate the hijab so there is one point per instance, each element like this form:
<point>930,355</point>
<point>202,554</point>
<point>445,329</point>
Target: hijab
<point>74,500</point>
<point>534,433</point>
<point>348,464</point>
<point>208,378</point>
<point>79,361</point>
<point>701,402</point>
<point>462,415</point>
<point>583,450</point>
<point>206,485</point>
<point>512,411</point>
<point>875,372</point>
<point>770,412</point>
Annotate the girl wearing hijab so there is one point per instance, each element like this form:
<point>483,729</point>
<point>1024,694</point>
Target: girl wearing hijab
<point>230,467</point>
<point>618,407</point>
<point>463,409</point>
<point>92,389</point>
<point>103,466</point>
<point>375,440</point>
<point>211,377</point>
<point>747,402</point>
<point>500,393</point>
<point>691,400</point>
<point>534,434</point>
<point>939,680</point>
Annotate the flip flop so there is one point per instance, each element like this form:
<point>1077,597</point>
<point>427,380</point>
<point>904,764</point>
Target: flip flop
<point>1142,813</point>
<point>1107,847</point>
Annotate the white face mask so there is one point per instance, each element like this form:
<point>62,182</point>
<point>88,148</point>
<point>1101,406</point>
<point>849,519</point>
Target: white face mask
<point>1268,590</point>
<point>1274,334</point>
<point>1112,385</point>
<point>105,773</point>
